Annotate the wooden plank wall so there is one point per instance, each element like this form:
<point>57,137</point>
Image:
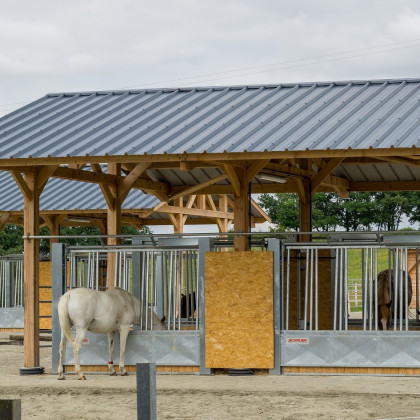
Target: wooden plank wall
<point>239,310</point>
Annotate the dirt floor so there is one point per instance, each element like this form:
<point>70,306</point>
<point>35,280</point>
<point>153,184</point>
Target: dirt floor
<point>206,397</point>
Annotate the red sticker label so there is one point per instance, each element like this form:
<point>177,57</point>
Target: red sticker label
<point>298,340</point>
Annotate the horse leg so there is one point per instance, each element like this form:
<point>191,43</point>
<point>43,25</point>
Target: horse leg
<point>62,350</point>
<point>123,339</point>
<point>77,343</point>
<point>111,353</point>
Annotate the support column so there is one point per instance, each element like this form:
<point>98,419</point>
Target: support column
<point>31,273</point>
<point>305,210</point>
<point>241,210</point>
<point>113,224</point>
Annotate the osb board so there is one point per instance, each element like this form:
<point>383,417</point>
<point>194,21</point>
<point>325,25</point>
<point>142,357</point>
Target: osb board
<point>45,274</point>
<point>11,330</point>
<point>352,370</point>
<point>238,291</point>
<point>324,291</point>
<point>132,369</point>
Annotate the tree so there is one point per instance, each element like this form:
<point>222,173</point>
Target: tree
<point>361,211</point>
<point>283,210</point>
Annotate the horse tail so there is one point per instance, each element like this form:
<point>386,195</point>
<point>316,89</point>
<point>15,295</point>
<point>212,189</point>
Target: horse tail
<point>63,315</point>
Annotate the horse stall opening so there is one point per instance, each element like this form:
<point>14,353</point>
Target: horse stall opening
<point>163,276</point>
<point>351,305</point>
<point>11,293</point>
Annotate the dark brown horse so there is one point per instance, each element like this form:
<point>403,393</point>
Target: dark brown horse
<point>387,301</point>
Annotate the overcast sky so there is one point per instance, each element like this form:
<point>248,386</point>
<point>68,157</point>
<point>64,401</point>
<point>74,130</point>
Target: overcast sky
<point>78,45</point>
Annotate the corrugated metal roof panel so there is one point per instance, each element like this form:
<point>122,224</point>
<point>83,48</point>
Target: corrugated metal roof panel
<point>62,194</point>
<point>314,116</point>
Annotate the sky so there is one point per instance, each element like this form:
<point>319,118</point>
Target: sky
<point>51,46</point>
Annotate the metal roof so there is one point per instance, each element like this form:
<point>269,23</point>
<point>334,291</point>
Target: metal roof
<point>294,117</point>
<point>63,194</point>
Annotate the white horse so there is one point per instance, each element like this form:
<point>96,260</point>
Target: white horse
<point>99,312</point>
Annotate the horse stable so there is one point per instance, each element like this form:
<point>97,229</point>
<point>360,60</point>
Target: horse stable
<point>274,303</point>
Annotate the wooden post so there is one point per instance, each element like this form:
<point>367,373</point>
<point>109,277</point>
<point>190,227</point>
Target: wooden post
<point>305,211</point>
<point>31,272</point>
<point>113,225</point>
<point>241,211</point>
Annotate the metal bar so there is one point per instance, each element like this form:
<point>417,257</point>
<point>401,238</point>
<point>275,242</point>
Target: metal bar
<point>311,282</point>
<point>340,292</point>
<point>316,289</point>
<point>370,275</point>
<point>417,284</point>
<point>406,309</point>
<point>337,263</point>
<point>286,327</point>
<point>345,291</point>
<point>395,275</point>
<point>180,271</point>
<point>365,288</point>
<point>401,288</point>
<point>170,290</point>
<point>376,289</point>
<point>305,318</point>
<point>146,298</point>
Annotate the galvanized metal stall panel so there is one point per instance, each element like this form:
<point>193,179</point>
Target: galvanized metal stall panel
<point>11,317</point>
<point>176,348</point>
<point>350,349</point>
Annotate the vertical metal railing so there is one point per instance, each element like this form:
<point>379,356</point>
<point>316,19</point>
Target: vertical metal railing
<point>11,282</point>
<point>400,285</point>
<point>170,284</point>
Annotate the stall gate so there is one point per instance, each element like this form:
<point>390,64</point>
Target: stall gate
<point>327,330</point>
<point>165,279</point>
<point>11,292</point>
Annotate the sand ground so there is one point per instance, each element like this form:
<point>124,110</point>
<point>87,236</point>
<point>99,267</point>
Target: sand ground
<point>207,397</point>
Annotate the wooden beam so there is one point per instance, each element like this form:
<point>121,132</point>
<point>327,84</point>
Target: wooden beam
<point>254,168</point>
<point>125,185</point>
<point>194,212</point>
<point>106,190</point>
<point>213,157</point>
<point>233,178</point>
<point>385,186</point>
<point>263,214</point>
<point>241,212</point>
<point>325,172</point>
<point>195,188</point>
<point>20,181</point>
<point>44,175</point>
<point>5,215</point>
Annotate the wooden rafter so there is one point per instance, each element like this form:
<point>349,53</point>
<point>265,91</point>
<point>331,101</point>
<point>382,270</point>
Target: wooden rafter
<point>233,178</point>
<point>195,188</point>
<point>254,168</point>
<point>106,190</point>
<point>325,172</point>
<point>126,184</point>
<point>20,181</point>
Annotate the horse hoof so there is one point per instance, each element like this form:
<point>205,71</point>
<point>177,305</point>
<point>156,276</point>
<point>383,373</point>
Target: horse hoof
<point>61,378</point>
<point>124,373</point>
<point>113,374</point>
<point>82,378</point>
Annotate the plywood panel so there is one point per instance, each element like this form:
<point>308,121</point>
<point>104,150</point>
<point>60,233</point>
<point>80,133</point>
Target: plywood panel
<point>239,310</point>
